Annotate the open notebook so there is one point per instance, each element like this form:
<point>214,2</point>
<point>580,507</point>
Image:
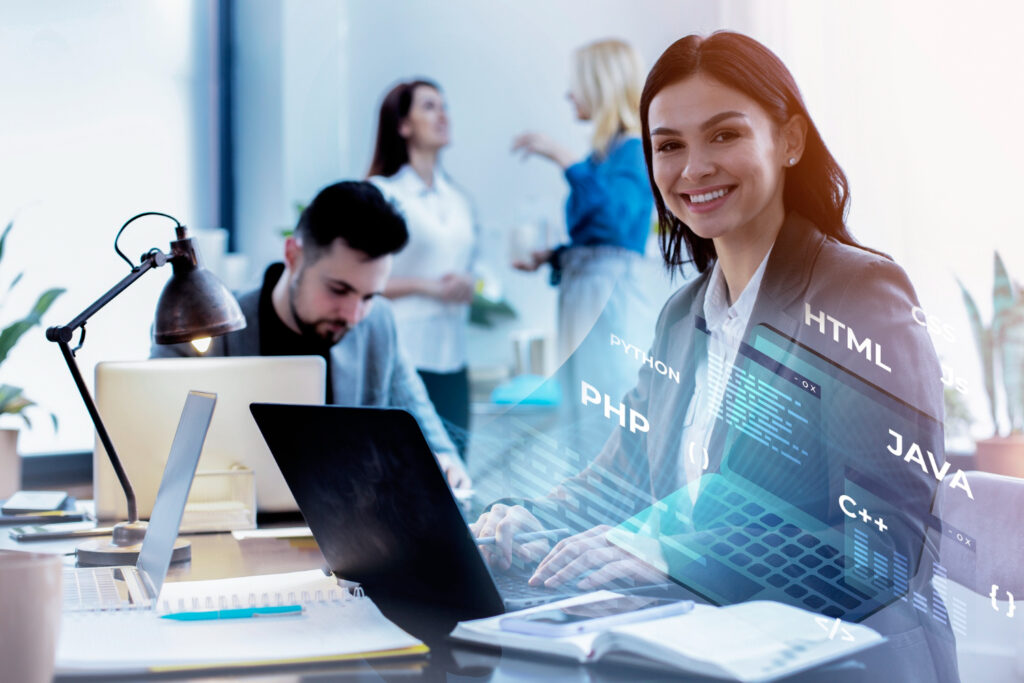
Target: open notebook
<point>750,642</point>
<point>337,624</point>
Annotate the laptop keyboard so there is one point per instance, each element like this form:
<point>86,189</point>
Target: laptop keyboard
<point>513,586</point>
<point>95,588</point>
<point>774,553</point>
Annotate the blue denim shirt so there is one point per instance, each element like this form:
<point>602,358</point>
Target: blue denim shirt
<point>610,201</point>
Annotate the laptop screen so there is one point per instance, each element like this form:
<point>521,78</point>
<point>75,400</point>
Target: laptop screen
<point>810,504</point>
<point>155,556</point>
<point>139,401</point>
<point>797,422</point>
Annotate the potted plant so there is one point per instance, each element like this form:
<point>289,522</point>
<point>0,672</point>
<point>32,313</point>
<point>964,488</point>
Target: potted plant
<point>1001,347</point>
<point>12,398</point>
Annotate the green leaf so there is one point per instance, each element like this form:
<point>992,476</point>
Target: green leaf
<point>15,406</point>
<point>10,336</point>
<point>13,332</point>
<point>15,281</point>
<point>983,338</point>
<point>13,403</point>
<point>3,238</point>
<point>46,300</point>
<point>1002,298</point>
<point>1011,363</point>
<point>482,311</point>
<point>8,394</point>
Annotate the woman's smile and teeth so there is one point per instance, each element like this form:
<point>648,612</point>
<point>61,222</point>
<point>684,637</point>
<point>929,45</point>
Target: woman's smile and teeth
<point>707,199</point>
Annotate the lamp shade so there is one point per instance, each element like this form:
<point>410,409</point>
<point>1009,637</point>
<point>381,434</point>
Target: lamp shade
<point>194,303</point>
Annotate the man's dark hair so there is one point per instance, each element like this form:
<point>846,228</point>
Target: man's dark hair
<point>356,212</point>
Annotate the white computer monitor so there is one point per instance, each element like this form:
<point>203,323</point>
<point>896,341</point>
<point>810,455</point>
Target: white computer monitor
<point>140,402</point>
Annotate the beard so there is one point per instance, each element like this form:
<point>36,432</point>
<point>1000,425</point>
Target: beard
<point>325,331</point>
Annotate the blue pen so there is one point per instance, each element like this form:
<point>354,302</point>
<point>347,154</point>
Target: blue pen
<point>244,613</point>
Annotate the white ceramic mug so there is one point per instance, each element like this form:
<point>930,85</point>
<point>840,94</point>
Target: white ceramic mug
<point>528,352</point>
<point>30,591</point>
<point>10,463</point>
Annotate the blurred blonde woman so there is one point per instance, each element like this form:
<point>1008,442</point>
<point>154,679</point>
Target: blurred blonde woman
<point>608,213</point>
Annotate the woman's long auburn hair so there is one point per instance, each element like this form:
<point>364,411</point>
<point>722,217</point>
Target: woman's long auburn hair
<point>815,187</point>
<point>391,150</point>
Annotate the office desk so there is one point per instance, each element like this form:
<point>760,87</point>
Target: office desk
<point>221,556</point>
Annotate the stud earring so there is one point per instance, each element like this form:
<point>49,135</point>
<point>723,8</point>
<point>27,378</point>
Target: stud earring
<point>792,161</point>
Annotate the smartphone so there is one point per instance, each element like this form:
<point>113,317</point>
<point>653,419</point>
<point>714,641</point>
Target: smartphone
<point>592,616</point>
<point>34,501</point>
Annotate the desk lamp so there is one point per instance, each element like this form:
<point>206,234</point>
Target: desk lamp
<point>193,305</point>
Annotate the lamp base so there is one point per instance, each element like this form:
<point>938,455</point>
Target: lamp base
<point>103,553</point>
<point>129,533</point>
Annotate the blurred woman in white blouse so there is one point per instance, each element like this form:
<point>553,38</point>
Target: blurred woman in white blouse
<point>431,284</point>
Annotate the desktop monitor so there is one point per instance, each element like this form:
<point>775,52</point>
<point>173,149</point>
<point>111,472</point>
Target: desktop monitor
<point>140,401</point>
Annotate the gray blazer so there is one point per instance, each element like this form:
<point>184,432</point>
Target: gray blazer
<point>368,367</point>
<point>865,291</point>
<point>868,292</point>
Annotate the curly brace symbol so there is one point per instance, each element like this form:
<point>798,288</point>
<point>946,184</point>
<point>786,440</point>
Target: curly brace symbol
<point>704,466</point>
<point>1010,609</point>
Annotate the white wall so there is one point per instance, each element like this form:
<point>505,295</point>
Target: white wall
<point>921,106</point>
<point>108,110</point>
<point>504,68</point>
<point>917,105</point>
<point>106,113</point>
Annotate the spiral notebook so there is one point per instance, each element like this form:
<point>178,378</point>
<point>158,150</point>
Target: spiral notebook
<point>338,623</point>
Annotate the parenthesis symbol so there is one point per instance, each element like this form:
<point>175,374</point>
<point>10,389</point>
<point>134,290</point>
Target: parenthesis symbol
<point>693,459</point>
<point>1012,608</point>
<point>995,590</point>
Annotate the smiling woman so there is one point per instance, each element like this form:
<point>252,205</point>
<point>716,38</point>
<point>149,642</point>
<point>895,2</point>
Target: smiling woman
<point>720,166</point>
<point>749,100</point>
<point>746,190</point>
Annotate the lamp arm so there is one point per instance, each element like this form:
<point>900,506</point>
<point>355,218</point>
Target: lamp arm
<point>62,336</point>
<point>153,259</point>
<point>101,430</point>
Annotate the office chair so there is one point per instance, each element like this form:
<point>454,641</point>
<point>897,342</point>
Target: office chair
<point>991,649</point>
<point>993,519</point>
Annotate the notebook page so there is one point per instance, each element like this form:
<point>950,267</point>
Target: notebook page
<point>336,621</point>
<point>140,641</point>
<point>290,588</point>
<point>751,641</point>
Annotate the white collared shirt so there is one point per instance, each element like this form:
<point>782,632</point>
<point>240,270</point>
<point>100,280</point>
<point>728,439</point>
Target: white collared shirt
<point>441,241</point>
<point>726,325</point>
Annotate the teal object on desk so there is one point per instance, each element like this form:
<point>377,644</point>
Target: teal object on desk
<point>244,613</point>
<point>527,390</point>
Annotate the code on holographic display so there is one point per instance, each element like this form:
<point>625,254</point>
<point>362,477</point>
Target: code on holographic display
<point>759,410</point>
<point>880,566</point>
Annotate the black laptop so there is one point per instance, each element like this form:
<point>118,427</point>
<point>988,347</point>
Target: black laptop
<point>381,512</point>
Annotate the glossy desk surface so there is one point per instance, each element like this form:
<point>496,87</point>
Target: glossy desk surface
<point>221,556</point>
